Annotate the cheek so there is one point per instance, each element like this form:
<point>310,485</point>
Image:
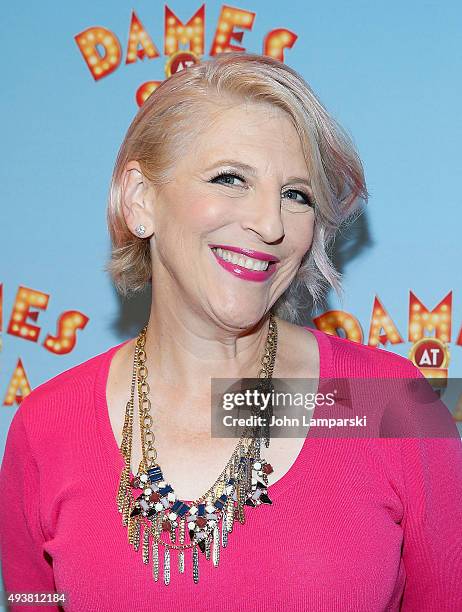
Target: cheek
<point>200,213</point>
<point>206,212</point>
<point>299,230</point>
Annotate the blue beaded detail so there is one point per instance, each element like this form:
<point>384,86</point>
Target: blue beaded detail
<point>220,502</point>
<point>180,508</point>
<point>155,474</point>
<point>199,530</point>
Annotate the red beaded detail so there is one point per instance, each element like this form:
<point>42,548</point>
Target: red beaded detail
<point>166,526</point>
<point>267,468</point>
<point>201,521</point>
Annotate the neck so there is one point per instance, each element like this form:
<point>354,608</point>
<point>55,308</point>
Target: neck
<point>189,350</point>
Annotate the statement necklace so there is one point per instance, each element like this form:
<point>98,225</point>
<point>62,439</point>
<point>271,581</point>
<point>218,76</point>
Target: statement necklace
<point>148,501</point>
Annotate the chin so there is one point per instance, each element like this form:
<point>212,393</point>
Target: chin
<point>240,319</point>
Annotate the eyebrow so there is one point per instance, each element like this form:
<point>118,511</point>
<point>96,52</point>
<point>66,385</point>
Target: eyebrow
<point>253,171</point>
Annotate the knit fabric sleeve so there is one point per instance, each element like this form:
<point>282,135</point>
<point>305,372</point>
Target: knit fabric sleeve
<point>25,567</point>
<point>432,523</point>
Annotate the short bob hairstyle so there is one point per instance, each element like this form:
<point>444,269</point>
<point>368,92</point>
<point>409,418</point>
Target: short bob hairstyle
<point>178,110</point>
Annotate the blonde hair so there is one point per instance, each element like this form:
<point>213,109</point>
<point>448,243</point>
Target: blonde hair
<point>174,115</point>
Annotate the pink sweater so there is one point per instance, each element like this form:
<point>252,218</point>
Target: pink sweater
<point>357,524</point>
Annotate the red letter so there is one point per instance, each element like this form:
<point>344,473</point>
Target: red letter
<point>20,313</point>
<point>381,320</point>
<point>276,41</point>
<point>230,17</point>
<point>17,383</point>
<point>138,37</point>
<point>192,33</point>
<point>64,341</point>
<point>439,319</point>
<point>332,320</point>
<point>88,42</point>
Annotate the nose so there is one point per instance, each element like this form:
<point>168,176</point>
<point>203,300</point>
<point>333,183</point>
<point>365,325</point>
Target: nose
<point>262,215</point>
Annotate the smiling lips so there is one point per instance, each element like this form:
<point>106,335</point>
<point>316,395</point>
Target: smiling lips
<point>245,263</point>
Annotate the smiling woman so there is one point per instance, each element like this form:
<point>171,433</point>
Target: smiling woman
<point>245,110</point>
<point>227,191</point>
<point>259,203</point>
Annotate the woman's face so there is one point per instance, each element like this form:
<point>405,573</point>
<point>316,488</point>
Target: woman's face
<point>261,214</point>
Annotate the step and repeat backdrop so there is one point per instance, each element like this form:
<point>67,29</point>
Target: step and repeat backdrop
<point>74,75</point>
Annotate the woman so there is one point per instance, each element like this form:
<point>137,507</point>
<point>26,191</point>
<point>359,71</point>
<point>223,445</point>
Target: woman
<point>231,182</point>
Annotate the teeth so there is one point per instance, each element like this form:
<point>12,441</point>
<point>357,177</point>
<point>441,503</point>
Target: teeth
<point>242,260</point>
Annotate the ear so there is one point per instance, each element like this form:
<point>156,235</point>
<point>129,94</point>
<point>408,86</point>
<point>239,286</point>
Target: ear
<point>137,199</point>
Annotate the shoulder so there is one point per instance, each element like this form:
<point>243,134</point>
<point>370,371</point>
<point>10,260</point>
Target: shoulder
<point>349,358</point>
<point>68,395</point>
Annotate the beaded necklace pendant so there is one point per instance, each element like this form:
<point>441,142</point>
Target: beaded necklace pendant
<point>150,500</point>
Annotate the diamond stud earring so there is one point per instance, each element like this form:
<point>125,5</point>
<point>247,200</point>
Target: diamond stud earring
<point>140,230</point>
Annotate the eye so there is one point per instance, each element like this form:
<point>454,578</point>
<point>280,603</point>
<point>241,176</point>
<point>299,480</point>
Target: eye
<point>306,198</point>
<point>222,176</point>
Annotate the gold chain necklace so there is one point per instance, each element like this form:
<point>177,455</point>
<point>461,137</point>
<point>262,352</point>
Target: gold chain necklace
<point>243,481</point>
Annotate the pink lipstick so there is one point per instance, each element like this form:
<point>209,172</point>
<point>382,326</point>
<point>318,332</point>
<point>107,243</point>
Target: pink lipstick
<point>243,272</point>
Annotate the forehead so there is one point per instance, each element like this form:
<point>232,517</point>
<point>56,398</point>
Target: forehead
<point>260,135</point>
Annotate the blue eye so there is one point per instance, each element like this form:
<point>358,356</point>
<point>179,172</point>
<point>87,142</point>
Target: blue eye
<point>226,175</point>
<point>222,175</point>
<point>305,196</point>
